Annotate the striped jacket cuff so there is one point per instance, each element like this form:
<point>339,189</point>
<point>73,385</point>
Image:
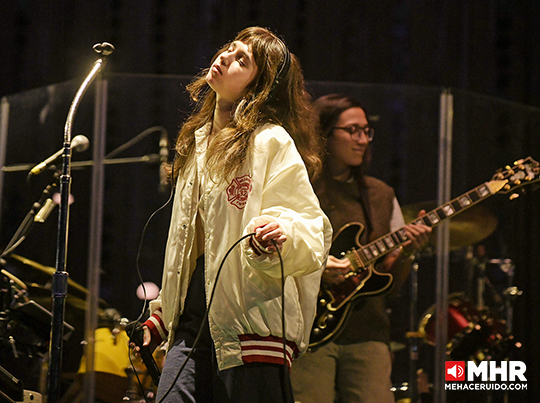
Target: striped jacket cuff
<point>268,349</point>
<point>156,326</point>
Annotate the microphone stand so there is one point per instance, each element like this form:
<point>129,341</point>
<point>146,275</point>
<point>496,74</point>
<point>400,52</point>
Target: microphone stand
<point>148,158</point>
<point>32,216</point>
<point>60,277</point>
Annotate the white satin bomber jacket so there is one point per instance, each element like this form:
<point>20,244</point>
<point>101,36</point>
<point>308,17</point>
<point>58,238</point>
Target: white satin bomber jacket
<point>245,314</point>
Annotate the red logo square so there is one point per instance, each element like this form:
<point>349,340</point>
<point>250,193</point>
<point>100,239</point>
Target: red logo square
<point>454,371</point>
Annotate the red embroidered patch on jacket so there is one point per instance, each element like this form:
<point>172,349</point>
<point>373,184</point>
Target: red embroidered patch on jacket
<point>239,190</point>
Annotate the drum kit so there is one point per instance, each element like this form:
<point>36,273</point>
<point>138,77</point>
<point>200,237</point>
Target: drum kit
<point>25,321</point>
<point>479,315</point>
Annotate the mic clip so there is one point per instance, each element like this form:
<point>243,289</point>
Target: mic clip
<point>104,48</point>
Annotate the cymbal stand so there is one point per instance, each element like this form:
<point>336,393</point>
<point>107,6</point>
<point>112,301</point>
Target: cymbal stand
<point>511,293</point>
<point>413,335</point>
<point>5,300</point>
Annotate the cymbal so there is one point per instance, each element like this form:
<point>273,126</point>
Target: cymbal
<point>15,279</point>
<point>466,228</point>
<point>46,270</point>
<point>76,296</point>
<point>42,295</point>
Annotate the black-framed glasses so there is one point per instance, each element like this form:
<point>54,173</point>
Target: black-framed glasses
<point>356,131</point>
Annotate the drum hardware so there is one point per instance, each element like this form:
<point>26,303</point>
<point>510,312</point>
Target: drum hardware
<point>402,393</point>
<point>494,283</point>
<point>501,272</point>
<point>11,388</point>
<point>24,334</point>
<point>473,334</point>
<point>413,341</point>
<point>32,311</point>
<point>27,329</point>
<point>42,272</point>
<point>41,293</point>
<point>36,317</point>
<point>111,319</point>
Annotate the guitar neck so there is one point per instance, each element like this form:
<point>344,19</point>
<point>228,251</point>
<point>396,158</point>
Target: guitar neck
<point>368,254</point>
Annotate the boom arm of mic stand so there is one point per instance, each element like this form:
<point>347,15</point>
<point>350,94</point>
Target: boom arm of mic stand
<point>148,159</point>
<point>60,277</point>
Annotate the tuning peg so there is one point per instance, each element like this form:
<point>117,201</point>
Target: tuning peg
<point>513,196</point>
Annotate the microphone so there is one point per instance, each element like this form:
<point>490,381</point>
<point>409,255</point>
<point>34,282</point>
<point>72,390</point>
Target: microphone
<point>45,211</point>
<point>163,160</point>
<point>135,332</point>
<point>79,144</point>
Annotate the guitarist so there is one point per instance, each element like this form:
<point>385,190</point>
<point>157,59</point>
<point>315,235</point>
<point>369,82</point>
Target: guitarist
<point>356,365</point>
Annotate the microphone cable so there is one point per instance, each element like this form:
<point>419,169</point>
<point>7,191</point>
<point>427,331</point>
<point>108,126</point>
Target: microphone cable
<point>283,337</point>
<point>141,242</point>
<point>201,328</point>
<point>136,139</point>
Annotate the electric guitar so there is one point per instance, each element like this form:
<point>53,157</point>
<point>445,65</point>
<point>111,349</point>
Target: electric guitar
<point>335,302</point>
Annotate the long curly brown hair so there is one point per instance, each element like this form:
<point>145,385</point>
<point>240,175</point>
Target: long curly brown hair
<point>288,104</point>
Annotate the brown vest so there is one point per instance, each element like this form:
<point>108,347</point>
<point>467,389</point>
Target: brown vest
<point>370,203</point>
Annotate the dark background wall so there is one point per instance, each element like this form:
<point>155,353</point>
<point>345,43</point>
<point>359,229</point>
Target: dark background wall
<point>488,47</point>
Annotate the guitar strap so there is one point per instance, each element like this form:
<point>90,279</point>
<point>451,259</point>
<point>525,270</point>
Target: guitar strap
<point>364,195</point>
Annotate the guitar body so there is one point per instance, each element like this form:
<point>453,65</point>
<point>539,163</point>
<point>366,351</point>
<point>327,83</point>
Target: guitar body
<point>335,302</point>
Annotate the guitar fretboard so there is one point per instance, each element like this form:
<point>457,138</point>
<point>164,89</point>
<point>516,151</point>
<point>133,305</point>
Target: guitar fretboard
<point>371,252</point>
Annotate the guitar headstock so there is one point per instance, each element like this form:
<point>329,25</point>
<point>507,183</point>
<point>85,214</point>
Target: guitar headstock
<point>523,172</point>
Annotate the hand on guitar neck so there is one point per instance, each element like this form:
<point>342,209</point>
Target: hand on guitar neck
<point>418,236</point>
<point>399,262</point>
